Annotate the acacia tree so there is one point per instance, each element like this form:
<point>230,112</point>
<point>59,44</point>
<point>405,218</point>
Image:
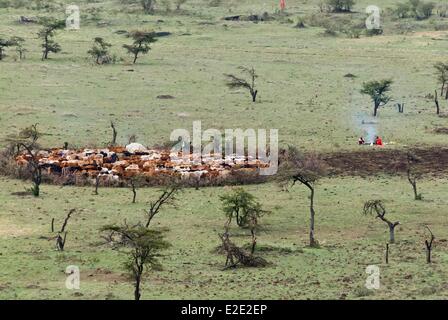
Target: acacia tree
<point>306,170</point>
<point>377,208</point>
<point>100,51</point>
<point>47,33</point>
<point>442,76</point>
<point>234,82</point>
<point>141,44</point>
<point>26,141</point>
<point>377,90</point>
<point>238,204</point>
<point>143,248</point>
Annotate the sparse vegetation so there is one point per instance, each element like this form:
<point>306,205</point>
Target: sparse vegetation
<point>310,92</point>
<point>340,5</point>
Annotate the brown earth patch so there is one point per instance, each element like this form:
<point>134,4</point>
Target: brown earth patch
<point>434,161</point>
<point>441,130</point>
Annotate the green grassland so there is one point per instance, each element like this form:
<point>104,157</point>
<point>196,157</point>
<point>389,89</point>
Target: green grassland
<point>31,268</point>
<point>303,93</point>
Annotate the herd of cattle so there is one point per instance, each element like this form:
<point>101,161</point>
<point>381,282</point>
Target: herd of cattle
<point>115,163</point>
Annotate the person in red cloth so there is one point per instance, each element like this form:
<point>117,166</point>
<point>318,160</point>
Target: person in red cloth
<point>282,5</point>
<point>378,141</point>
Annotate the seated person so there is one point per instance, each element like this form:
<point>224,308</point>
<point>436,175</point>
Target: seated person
<point>361,141</point>
<point>378,141</point>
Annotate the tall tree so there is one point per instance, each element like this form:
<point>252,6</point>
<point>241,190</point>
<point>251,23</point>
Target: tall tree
<point>306,170</point>
<point>141,44</point>
<point>377,90</point>
<point>49,27</point>
<point>234,82</point>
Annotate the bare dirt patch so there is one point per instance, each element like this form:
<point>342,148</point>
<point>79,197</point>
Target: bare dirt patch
<point>441,130</point>
<point>434,161</point>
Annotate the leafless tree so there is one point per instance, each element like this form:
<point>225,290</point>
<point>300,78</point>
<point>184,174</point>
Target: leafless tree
<point>377,208</point>
<point>412,174</point>
<point>436,101</point>
<point>97,184</point>
<point>295,167</point>
<point>61,237</point>
<point>234,82</point>
<point>428,244</point>
<point>114,133</point>
<point>134,183</point>
<point>387,253</point>
<point>166,197</point>
<point>236,256</point>
<point>134,191</point>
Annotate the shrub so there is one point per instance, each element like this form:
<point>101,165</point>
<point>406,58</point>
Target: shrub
<point>340,5</point>
<point>414,9</point>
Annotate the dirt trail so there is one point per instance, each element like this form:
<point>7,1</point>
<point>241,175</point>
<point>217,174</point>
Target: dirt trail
<point>434,160</point>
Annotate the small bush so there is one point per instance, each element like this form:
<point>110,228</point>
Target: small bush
<point>340,5</point>
<point>414,9</point>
